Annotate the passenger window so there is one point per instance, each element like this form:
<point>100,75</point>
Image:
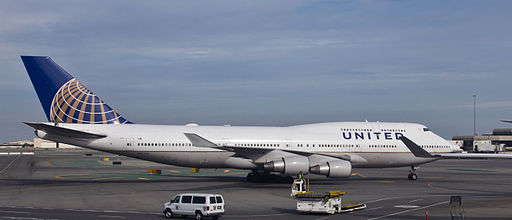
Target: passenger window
<point>199,200</point>
<point>219,199</point>
<point>186,199</point>
<point>176,199</point>
<point>212,200</point>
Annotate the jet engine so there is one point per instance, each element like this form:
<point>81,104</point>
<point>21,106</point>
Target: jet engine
<point>291,165</point>
<point>333,168</point>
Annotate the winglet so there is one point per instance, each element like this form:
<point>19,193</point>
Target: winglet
<point>414,148</point>
<point>199,141</point>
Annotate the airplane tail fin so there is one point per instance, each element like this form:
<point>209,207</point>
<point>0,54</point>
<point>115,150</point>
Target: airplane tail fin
<point>63,98</point>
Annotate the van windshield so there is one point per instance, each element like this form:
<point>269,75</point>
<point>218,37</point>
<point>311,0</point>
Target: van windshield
<point>176,199</point>
<point>199,200</point>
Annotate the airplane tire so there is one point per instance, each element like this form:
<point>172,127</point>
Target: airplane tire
<point>412,176</point>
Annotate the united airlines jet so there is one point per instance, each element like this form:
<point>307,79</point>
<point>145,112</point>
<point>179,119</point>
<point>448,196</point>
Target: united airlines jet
<point>76,116</point>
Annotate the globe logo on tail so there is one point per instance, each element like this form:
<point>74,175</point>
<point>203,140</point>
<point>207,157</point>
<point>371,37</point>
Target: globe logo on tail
<point>74,103</point>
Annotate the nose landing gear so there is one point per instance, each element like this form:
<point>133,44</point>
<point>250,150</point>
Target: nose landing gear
<point>412,173</point>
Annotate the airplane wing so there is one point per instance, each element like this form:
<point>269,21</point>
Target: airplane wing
<point>420,152</point>
<point>199,141</point>
<point>507,121</point>
<point>64,132</point>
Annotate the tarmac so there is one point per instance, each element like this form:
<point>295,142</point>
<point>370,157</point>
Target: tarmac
<point>70,184</point>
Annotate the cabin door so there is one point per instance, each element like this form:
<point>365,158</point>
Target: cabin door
<point>129,144</point>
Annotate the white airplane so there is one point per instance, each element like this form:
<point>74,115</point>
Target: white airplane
<point>79,117</point>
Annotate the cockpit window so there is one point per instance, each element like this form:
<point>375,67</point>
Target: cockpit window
<point>426,129</point>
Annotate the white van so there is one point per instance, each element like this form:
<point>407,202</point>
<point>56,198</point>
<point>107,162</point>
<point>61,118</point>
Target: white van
<point>198,205</point>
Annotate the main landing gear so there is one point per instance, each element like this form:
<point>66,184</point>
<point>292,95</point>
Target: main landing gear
<point>412,173</point>
<point>265,176</point>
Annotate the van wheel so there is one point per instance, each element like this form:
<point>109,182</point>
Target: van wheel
<point>199,215</point>
<point>168,213</point>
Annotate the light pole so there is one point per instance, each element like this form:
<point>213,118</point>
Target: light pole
<point>474,115</point>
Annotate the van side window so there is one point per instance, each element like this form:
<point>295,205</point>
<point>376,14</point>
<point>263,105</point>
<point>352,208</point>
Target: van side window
<point>199,200</point>
<point>219,199</point>
<point>176,199</point>
<point>186,199</point>
<point>212,200</point>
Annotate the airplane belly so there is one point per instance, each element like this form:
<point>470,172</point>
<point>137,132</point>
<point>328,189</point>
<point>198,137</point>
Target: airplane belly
<point>196,159</point>
<point>383,160</point>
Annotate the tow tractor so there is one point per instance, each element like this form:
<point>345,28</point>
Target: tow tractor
<point>327,202</point>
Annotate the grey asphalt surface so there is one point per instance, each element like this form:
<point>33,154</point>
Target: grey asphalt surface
<point>67,184</point>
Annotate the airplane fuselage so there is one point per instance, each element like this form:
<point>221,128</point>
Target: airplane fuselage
<point>365,144</point>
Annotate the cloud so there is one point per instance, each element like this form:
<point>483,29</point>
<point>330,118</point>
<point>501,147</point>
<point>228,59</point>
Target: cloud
<point>326,59</point>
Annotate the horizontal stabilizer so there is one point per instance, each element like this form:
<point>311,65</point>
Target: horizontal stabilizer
<point>63,132</point>
<point>414,148</point>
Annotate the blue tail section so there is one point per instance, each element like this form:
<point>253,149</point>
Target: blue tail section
<point>63,98</point>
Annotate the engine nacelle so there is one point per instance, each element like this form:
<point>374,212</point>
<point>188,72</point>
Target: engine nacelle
<point>333,168</point>
<point>291,165</point>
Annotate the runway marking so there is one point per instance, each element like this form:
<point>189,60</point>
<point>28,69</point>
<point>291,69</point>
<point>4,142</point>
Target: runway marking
<point>252,216</point>
<point>110,216</point>
<point>83,210</point>
<point>385,181</point>
<point>415,200</point>
<point>16,212</point>
<point>410,210</point>
<point>107,178</point>
<point>226,171</point>
<point>406,206</point>
<point>142,178</point>
<point>381,199</point>
<point>27,218</point>
<point>470,170</point>
<point>174,171</point>
<point>374,208</point>
<point>322,218</point>
<point>9,165</point>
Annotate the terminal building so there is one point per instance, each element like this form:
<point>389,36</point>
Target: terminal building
<point>500,140</point>
<point>37,143</point>
<point>41,143</point>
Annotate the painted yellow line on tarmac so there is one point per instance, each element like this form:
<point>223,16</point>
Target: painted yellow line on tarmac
<point>58,177</point>
<point>226,171</point>
<point>385,181</point>
<point>174,171</point>
<point>142,178</point>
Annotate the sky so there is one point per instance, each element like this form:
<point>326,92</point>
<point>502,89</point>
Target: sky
<point>267,63</point>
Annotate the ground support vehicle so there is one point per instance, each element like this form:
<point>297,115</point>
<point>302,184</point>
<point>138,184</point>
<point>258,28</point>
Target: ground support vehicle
<point>194,204</point>
<point>326,203</point>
